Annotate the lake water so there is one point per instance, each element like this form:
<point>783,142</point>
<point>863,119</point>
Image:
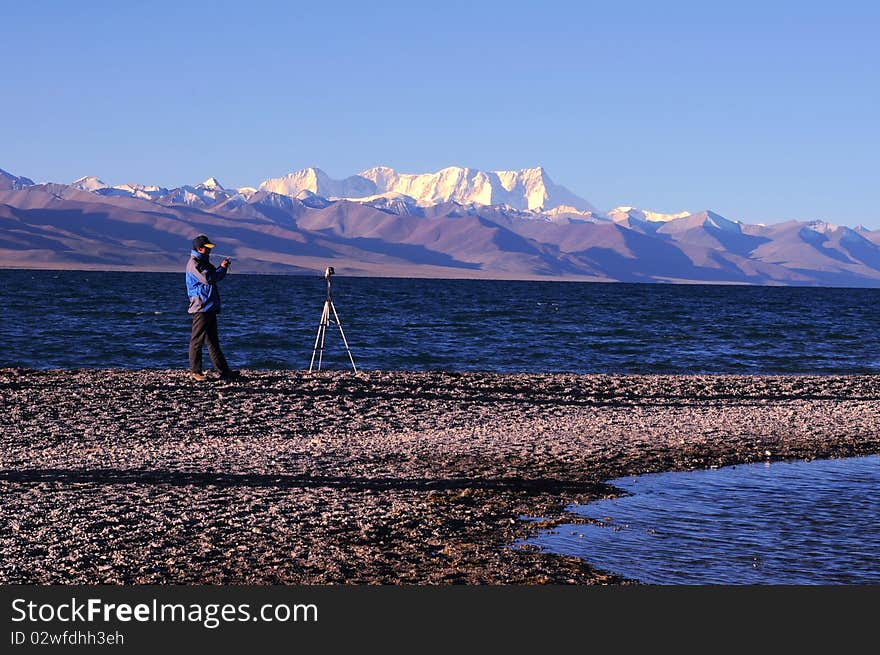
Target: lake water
<point>781,523</point>
<point>67,319</point>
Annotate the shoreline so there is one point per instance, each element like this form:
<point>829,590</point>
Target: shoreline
<point>147,477</point>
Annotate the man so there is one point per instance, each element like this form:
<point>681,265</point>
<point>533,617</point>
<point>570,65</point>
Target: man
<point>204,305</point>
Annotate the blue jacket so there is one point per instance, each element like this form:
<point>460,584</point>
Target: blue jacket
<point>201,284</point>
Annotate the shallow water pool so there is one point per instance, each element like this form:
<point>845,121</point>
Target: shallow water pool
<point>800,522</point>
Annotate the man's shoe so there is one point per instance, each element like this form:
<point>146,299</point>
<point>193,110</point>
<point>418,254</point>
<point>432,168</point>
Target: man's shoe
<point>199,377</point>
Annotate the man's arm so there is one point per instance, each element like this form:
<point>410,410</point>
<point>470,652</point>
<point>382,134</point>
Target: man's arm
<point>218,273</point>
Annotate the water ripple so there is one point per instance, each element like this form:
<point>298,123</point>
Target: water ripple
<point>137,320</point>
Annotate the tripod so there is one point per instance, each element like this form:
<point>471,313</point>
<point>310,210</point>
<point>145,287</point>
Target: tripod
<point>322,326</point>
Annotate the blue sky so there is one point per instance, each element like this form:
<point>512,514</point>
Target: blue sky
<point>760,111</point>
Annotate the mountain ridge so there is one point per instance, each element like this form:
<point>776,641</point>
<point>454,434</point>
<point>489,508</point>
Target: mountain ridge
<point>529,188</point>
<point>88,224</point>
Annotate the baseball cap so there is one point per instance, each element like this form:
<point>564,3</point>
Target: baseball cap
<point>202,241</point>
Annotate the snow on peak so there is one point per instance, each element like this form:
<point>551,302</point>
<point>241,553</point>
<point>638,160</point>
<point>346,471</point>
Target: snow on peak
<point>822,227</point>
<point>246,191</point>
<point>711,219</point>
<point>311,199</point>
<point>234,201</point>
<point>383,177</point>
<point>625,213</point>
<point>208,193</point>
<point>211,183</point>
<point>133,190</point>
<point>9,181</point>
<point>387,195</point>
<point>89,183</point>
<point>394,202</point>
<point>658,217</point>
<point>568,214</point>
<point>319,183</point>
<point>529,188</point>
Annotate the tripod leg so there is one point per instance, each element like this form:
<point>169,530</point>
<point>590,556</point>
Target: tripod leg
<point>325,323</point>
<point>319,338</point>
<point>344,340</point>
<point>315,351</point>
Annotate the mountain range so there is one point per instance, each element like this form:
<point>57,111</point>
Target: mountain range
<point>456,222</point>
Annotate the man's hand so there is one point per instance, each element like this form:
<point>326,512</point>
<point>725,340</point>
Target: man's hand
<point>225,263</point>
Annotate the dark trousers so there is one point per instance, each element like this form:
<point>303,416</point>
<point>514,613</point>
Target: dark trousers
<point>204,328</point>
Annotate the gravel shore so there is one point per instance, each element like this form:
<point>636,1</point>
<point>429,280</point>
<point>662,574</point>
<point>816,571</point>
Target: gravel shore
<point>286,477</point>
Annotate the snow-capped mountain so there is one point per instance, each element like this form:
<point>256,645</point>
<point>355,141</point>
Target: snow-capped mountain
<point>822,227</point>
<point>529,188</point>
<point>89,183</point>
<point>395,203</point>
<point>633,214</point>
<point>568,214</point>
<point>133,190</point>
<point>211,184</point>
<point>205,194</point>
<point>319,183</point>
<point>9,182</point>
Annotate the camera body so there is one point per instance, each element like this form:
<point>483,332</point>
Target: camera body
<point>329,272</point>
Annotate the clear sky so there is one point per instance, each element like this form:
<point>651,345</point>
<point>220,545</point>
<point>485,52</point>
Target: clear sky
<point>761,111</point>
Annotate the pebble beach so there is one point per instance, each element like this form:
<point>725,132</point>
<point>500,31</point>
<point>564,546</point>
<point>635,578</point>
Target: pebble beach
<point>289,477</point>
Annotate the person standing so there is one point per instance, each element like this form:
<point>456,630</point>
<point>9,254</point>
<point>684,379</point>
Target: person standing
<point>202,278</point>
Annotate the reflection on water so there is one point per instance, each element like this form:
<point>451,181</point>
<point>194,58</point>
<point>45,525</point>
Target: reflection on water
<point>783,523</point>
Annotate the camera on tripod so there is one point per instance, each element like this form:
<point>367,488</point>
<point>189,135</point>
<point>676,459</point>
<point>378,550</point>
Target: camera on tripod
<point>325,321</point>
